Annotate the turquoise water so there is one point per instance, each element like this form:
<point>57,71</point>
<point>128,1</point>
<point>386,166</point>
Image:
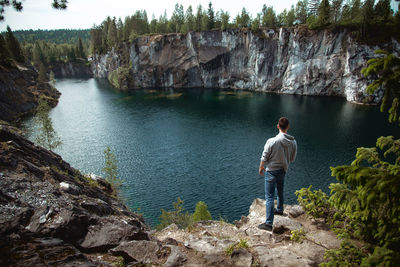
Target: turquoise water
<point>205,144</point>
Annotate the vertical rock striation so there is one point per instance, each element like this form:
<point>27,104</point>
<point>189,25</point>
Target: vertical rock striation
<point>292,61</point>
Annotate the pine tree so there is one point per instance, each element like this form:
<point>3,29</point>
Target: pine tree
<point>383,11</point>
<point>201,212</point>
<point>199,17</point>
<point>37,55</point>
<point>268,17</point>
<point>153,24</point>
<point>224,20</point>
<point>42,73</point>
<point>80,52</point>
<point>177,216</point>
<point>324,13</point>
<point>211,16</point>
<point>120,31</point>
<point>291,17</point>
<point>255,25</point>
<point>243,20</point>
<point>356,11</point>
<point>177,19</point>
<point>282,18</point>
<point>47,136</point>
<point>110,169</point>
<point>336,8</point>
<point>189,20</point>
<point>386,70</point>
<point>301,11</point>
<point>367,17</point>
<point>13,46</point>
<point>5,57</point>
<point>112,33</point>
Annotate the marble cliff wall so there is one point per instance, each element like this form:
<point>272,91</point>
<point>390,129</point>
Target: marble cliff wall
<point>291,61</point>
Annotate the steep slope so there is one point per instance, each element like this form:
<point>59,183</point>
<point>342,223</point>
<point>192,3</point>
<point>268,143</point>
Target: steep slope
<point>50,214</point>
<point>20,91</point>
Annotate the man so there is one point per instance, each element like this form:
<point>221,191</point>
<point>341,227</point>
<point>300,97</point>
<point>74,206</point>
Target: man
<point>278,153</point>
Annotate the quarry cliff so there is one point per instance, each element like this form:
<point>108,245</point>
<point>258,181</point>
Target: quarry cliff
<point>292,60</point>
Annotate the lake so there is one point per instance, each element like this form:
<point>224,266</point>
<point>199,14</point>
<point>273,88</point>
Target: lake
<point>201,144</point>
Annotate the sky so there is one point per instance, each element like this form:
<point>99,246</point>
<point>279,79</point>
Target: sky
<point>83,14</point>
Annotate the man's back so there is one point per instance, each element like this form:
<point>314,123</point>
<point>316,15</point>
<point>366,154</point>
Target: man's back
<point>279,152</point>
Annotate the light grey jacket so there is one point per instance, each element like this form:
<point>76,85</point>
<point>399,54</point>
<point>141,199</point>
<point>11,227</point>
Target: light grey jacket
<point>279,152</point>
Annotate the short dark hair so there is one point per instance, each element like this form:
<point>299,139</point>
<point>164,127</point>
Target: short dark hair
<point>283,123</point>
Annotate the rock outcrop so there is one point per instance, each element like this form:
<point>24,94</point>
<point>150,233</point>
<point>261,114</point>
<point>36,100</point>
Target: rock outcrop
<point>292,61</point>
<point>207,243</point>
<point>78,69</point>
<point>50,214</point>
<point>20,91</point>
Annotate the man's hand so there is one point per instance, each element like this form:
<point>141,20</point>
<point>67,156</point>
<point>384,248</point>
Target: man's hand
<point>261,169</point>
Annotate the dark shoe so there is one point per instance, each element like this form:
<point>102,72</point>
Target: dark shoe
<point>265,226</point>
<point>276,212</point>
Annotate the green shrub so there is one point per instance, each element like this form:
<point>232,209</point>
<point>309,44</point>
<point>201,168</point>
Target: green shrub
<point>312,22</point>
<point>346,255</point>
<point>111,169</point>
<point>369,193</point>
<point>178,216</point>
<point>241,244</point>
<point>201,212</point>
<point>365,205</point>
<point>46,136</point>
<point>298,235</point>
<point>119,78</point>
<point>315,203</point>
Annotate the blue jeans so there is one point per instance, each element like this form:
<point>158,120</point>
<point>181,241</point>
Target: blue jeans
<point>273,179</point>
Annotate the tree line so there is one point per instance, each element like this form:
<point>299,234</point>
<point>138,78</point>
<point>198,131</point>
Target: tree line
<point>48,53</point>
<point>40,54</point>
<point>61,36</point>
<point>354,14</point>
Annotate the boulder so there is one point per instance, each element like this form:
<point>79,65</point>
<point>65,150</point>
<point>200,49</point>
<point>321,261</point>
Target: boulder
<point>109,232</point>
<point>142,252</point>
<point>241,258</point>
<point>295,211</point>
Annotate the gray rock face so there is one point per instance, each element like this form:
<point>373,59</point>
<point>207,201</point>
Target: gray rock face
<point>77,69</point>
<point>292,61</point>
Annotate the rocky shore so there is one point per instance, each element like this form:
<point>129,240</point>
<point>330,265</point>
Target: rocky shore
<point>51,214</point>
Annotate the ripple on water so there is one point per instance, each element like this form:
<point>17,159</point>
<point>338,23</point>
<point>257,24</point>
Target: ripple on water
<point>205,144</point>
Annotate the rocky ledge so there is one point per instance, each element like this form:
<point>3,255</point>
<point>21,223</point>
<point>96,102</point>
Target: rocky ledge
<point>51,214</point>
<point>20,91</point>
<point>208,242</point>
